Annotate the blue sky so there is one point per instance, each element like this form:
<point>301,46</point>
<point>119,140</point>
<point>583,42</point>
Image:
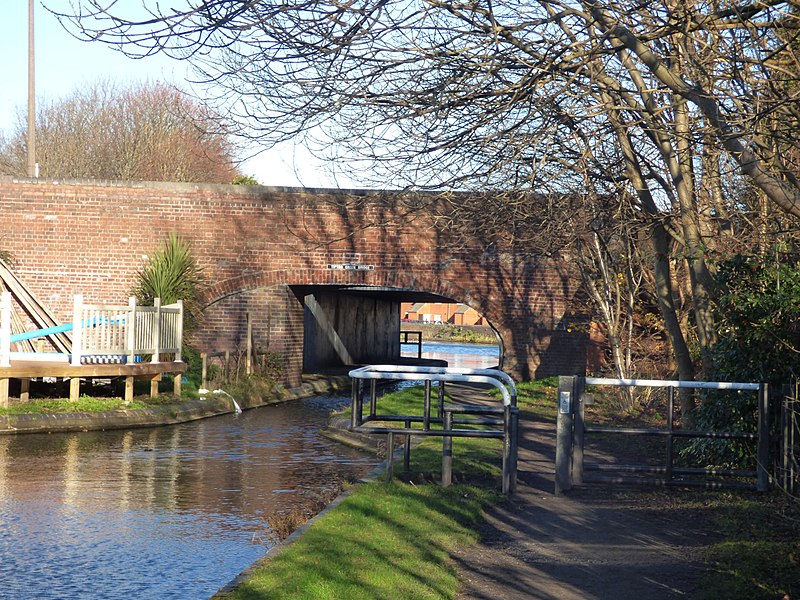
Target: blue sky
<point>63,63</point>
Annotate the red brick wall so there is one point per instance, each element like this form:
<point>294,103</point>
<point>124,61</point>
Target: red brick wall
<point>91,237</point>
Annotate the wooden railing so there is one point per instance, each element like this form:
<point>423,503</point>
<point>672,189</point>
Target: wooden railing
<point>132,331</point>
<point>125,333</point>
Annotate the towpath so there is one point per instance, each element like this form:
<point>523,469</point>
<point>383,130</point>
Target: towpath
<point>597,542</point>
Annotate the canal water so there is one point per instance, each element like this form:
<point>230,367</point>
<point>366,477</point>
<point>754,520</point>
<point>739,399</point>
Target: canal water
<point>459,356</point>
<point>167,512</point>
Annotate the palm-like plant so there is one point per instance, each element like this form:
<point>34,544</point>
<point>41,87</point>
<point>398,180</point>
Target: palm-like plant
<point>172,274</point>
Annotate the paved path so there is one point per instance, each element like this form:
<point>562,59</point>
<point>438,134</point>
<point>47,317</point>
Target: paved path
<point>595,543</point>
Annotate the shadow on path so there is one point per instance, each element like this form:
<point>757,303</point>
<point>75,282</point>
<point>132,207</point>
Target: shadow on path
<point>595,543</point>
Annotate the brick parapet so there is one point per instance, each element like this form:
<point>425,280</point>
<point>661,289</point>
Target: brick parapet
<point>92,237</point>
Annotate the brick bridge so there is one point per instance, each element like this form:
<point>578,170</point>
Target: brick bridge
<point>319,270</point>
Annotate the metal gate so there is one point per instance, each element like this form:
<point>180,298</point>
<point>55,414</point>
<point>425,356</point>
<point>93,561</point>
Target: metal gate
<point>572,430</point>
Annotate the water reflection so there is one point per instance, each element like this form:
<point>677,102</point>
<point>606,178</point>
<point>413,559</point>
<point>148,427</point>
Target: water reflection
<point>172,512</point>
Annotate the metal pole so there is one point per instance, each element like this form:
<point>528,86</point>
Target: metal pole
<point>426,417</point>
<point>373,397</point>
<point>514,447</point>
<point>354,403</point>
<point>389,455</point>
<point>507,449</point>
<point>32,170</point>
<point>407,449</point>
<point>447,451</point>
<point>564,435</point>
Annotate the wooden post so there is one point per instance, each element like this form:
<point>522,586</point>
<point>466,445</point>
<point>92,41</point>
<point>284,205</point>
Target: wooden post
<point>762,484</point>
<point>24,389</point>
<point>130,331</point>
<point>5,331</point>
<point>4,392</point>
<point>579,386</point>
<point>670,429</point>
<point>564,438</point>
<point>156,332</point>
<point>74,389</point>
<point>154,385</point>
<point>129,389</point>
<point>177,381</point>
<point>249,347</point>
<point>203,369</point>
<point>179,332</point>
<point>77,330</point>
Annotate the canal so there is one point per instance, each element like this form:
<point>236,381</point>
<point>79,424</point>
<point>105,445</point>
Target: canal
<point>167,512</point>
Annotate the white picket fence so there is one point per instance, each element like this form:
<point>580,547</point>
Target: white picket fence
<point>107,333</point>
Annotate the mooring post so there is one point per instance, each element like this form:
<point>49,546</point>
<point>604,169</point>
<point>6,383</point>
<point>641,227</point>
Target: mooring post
<point>564,440</point>
<point>447,450</point>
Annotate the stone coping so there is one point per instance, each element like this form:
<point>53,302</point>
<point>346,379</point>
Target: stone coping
<point>171,414</point>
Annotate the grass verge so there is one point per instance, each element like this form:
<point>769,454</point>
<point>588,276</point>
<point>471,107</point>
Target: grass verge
<point>383,541</point>
<point>758,556</point>
<point>84,404</point>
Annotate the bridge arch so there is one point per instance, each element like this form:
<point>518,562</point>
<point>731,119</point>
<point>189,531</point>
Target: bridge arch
<point>260,244</point>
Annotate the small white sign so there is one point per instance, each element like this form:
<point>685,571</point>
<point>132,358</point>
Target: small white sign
<point>351,267</point>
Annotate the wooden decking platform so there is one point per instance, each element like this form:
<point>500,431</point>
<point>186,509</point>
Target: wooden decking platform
<point>25,370</point>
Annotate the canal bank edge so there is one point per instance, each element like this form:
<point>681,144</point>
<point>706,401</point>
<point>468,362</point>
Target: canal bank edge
<point>231,587</point>
<point>190,410</point>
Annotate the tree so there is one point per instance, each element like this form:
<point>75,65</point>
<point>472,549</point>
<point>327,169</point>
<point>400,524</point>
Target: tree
<point>147,131</point>
<point>536,101</point>
<point>172,274</point>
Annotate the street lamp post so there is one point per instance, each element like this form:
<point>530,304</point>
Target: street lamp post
<point>32,166</point>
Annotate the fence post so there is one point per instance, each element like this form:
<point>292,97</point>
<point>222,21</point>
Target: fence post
<point>156,332</point>
<point>762,484</point>
<point>203,369</point>
<point>77,329</point>
<point>248,361</point>
<point>5,330</point>
<point>130,331</point>
<point>564,440</point>
<point>579,385</point>
<point>179,332</point>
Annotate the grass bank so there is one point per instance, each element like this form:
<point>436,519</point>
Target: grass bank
<point>456,334</point>
<point>383,541</point>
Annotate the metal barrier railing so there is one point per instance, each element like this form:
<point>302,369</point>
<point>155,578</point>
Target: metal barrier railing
<point>572,429</point>
<point>506,416</point>
<point>417,341</point>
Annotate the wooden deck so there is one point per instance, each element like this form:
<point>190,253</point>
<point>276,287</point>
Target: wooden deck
<point>25,370</point>
<point>130,341</point>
